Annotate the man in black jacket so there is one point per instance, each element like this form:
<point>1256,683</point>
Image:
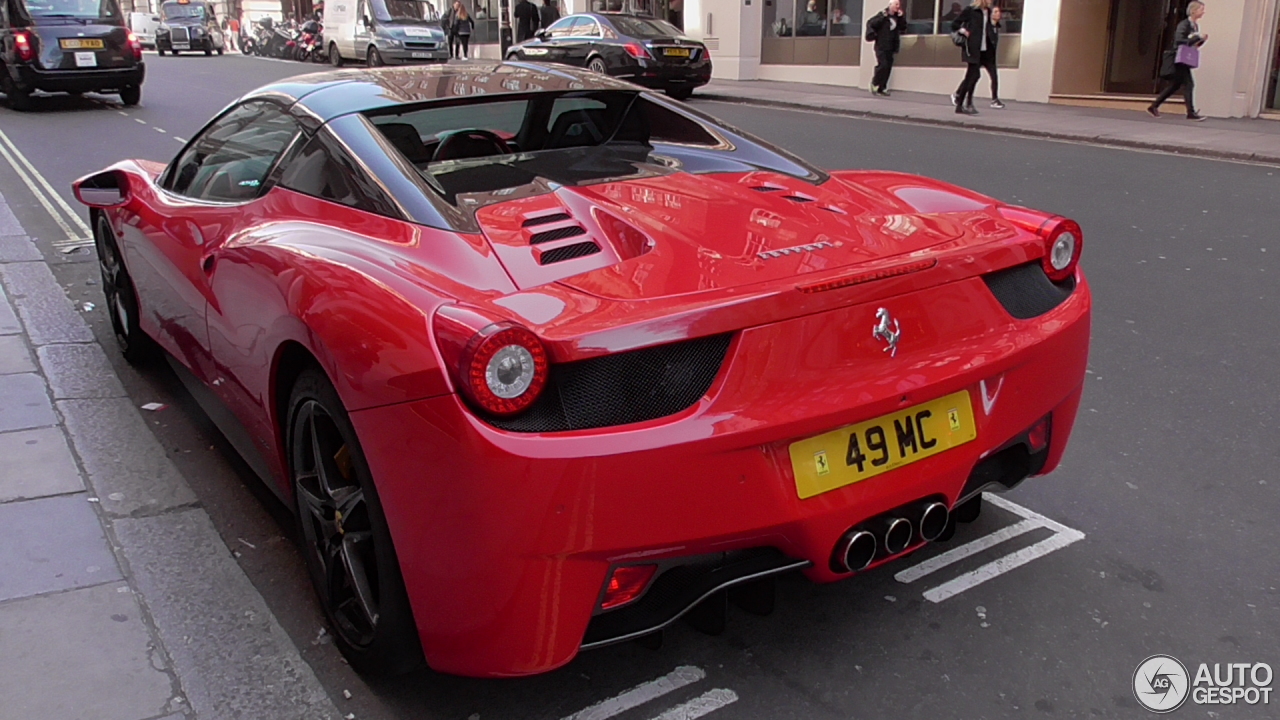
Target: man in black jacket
<point>548,13</point>
<point>526,20</point>
<point>885,30</point>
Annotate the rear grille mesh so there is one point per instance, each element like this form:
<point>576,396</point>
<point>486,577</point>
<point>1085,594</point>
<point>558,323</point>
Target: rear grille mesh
<point>623,388</point>
<point>559,233</point>
<point>568,252</point>
<point>1026,292</point>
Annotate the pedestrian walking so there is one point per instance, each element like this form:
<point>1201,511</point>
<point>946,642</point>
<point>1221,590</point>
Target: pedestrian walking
<point>885,30</point>
<point>547,14</point>
<point>988,61</point>
<point>463,25</point>
<point>973,32</point>
<point>1181,59</point>
<point>452,30</point>
<point>526,20</point>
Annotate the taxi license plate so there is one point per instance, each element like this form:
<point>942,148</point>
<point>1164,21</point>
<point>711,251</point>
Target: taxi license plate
<point>675,52</point>
<point>80,44</point>
<point>420,55</point>
<point>181,46</point>
<point>857,452</point>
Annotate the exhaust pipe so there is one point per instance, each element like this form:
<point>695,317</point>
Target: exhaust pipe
<point>855,551</point>
<point>895,533</point>
<point>933,521</point>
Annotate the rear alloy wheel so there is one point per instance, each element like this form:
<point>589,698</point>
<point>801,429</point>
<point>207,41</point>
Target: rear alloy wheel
<point>131,96</point>
<point>683,93</point>
<point>374,58</point>
<point>344,535</point>
<point>597,66</point>
<point>121,297</point>
<point>335,57</point>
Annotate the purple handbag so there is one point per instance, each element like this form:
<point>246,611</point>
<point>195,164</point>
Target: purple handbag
<point>1188,55</point>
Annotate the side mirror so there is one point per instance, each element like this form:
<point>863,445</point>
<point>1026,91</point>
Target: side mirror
<point>541,34</point>
<point>364,20</point>
<point>102,190</point>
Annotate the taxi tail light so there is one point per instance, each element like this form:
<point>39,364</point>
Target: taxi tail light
<point>136,46</point>
<point>1038,435</point>
<point>498,365</point>
<point>626,584</point>
<point>636,50</point>
<point>22,45</point>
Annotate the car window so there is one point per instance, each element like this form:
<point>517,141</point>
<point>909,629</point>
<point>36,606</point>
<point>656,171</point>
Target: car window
<point>560,28</point>
<point>587,29</point>
<point>230,160</point>
<point>174,10</point>
<point>56,10</point>
<point>666,126</point>
<point>644,28</point>
<point>570,104</point>
<point>323,169</point>
<point>504,117</point>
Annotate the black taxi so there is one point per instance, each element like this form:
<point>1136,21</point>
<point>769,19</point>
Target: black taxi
<point>73,46</point>
<point>189,25</point>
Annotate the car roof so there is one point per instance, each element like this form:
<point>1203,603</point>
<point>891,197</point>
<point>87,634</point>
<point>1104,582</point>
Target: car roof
<point>328,95</point>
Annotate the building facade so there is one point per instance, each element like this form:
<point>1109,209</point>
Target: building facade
<point>1067,51</point>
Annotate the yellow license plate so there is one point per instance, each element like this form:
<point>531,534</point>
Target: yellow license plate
<point>857,452</point>
<point>676,52</point>
<point>80,44</point>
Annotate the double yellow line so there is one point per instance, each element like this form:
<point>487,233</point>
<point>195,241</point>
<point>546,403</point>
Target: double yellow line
<point>75,229</point>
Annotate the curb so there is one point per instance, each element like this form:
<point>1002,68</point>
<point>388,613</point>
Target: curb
<point>1171,148</point>
<point>226,654</point>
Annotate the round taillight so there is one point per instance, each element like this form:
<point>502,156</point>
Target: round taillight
<point>1062,250</point>
<point>504,368</point>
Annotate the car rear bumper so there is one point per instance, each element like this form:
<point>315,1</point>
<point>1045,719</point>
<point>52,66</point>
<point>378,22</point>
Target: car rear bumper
<point>106,79</point>
<point>666,77</point>
<point>506,539</point>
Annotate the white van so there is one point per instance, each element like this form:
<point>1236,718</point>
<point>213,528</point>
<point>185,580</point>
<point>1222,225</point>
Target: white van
<point>384,32</point>
<point>144,26</point>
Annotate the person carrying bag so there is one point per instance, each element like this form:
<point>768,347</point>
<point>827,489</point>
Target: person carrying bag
<point>1179,60</point>
<point>973,32</point>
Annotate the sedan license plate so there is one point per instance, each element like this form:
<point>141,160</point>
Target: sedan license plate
<point>676,52</point>
<point>80,44</point>
<point>857,452</point>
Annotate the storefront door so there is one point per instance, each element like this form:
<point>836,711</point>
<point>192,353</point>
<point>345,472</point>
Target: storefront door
<point>1272,104</point>
<point>1138,34</point>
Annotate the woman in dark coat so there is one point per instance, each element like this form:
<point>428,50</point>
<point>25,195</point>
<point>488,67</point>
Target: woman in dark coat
<point>974,23</point>
<point>1189,34</point>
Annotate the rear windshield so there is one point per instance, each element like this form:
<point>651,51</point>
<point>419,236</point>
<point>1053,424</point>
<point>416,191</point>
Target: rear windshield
<point>644,27</point>
<point>495,145</point>
<point>63,11</point>
<point>173,10</point>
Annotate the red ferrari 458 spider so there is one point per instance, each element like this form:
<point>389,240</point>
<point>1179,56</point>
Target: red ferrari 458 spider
<point>544,361</point>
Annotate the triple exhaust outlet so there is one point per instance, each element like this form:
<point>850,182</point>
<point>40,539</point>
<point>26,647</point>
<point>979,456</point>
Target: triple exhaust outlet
<point>888,534</point>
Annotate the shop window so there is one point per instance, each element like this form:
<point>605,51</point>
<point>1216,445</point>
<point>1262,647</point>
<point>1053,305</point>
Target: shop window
<point>846,18</point>
<point>779,18</point>
<point>812,32</point>
<point>929,17</point>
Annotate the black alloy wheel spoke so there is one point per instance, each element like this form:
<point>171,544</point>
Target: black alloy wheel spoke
<point>358,577</point>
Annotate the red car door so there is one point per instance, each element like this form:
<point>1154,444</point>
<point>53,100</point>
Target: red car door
<point>208,192</point>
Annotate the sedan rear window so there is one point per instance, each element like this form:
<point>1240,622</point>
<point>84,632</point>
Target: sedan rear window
<point>73,10</point>
<point>645,28</point>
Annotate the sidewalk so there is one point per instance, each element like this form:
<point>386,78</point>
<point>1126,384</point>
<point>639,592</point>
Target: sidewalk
<point>118,599</point>
<point>1235,139</point>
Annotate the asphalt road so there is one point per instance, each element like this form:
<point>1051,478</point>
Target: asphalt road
<point>1170,477</point>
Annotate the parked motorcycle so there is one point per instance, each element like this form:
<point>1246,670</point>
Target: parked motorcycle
<point>309,42</point>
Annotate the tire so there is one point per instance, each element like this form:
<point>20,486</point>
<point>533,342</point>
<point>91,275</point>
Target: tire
<point>220,50</point>
<point>343,534</point>
<point>208,48</point>
<point>160,52</point>
<point>683,93</point>
<point>335,57</point>
<point>597,65</point>
<point>121,296</point>
<point>373,58</point>
<point>131,96</point>
<point>176,53</point>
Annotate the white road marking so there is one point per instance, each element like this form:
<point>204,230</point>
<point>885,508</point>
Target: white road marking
<point>999,566</point>
<point>123,113</point>
<point>140,122</point>
<point>973,547</point>
<point>77,232</point>
<point>181,140</point>
<point>641,694</point>
<point>707,702</point>
<point>159,130</point>
<point>1031,520</point>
